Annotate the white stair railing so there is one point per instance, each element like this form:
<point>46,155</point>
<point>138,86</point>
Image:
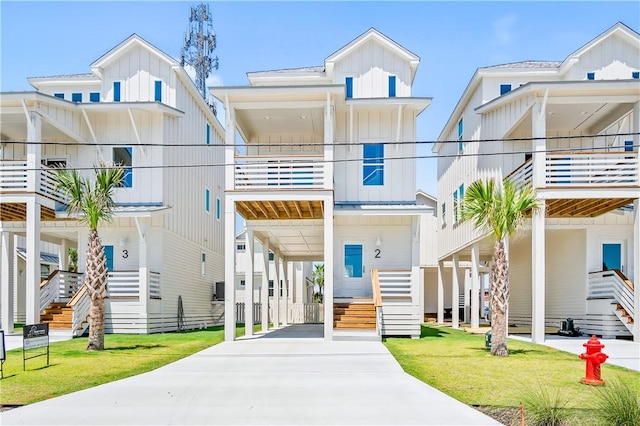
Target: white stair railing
<point>81,304</point>
<point>60,286</point>
<point>612,285</point>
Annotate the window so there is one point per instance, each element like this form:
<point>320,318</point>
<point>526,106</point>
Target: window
<point>392,86</point>
<point>591,76</point>
<point>455,206</point>
<point>373,164</point>
<point>635,74</point>
<point>218,212</point>
<point>349,83</point>
<point>94,97</point>
<point>461,196</point>
<point>240,247</point>
<point>203,263</point>
<point>460,136</point>
<point>628,146</point>
<point>116,91</point>
<point>208,134</point>
<point>206,200</point>
<point>76,97</point>
<point>443,216</point>
<point>272,256</point>
<point>158,91</point>
<point>353,260</point>
<point>122,156</point>
<point>270,288</point>
<point>505,88</point>
<point>59,95</point>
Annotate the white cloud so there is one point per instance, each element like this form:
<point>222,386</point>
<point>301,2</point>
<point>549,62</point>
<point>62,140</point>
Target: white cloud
<point>212,80</point>
<point>503,29</point>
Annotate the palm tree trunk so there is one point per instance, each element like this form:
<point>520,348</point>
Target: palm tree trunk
<point>499,300</point>
<point>96,282</point>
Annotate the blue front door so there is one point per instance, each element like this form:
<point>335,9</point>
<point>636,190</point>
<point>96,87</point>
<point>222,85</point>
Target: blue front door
<point>612,256</point>
<point>108,253</point>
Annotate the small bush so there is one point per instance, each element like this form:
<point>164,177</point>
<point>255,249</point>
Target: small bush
<point>618,404</point>
<point>544,407</point>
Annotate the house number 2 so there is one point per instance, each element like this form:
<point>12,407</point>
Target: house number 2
<point>377,251</point>
<point>125,254</point>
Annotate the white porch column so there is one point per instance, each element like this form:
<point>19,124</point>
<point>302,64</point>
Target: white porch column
<point>538,275</point>
<point>328,143</point>
<point>229,269</point>
<point>539,146</point>
<point>248,283</point>
<point>285,290</point>
<point>264,291</point>
<point>143,272</point>
<point>328,268</point>
<point>440,318</point>
<point>6,280</point>
<point>34,151</point>
<point>636,271</point>
<point>276,290</point>
<point>63,255</point>
<point>455,293</point>
<point>33,262</point>
<point>475,286</point>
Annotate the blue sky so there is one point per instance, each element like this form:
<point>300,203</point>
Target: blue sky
<point>451,38</point>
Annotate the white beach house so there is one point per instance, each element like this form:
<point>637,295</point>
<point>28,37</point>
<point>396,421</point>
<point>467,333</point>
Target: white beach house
<point>138,108</point>
<point>324,170</point>
<point>569,129</point>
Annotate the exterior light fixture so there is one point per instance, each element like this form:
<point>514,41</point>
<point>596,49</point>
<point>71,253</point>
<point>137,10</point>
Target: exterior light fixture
<point>378,241</point>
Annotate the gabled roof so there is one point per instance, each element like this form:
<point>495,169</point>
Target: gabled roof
<point>619,29</point>
<point>372,34</point>
<point>131,41</point>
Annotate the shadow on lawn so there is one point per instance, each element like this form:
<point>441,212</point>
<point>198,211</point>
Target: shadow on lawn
<point>132,347</point>
<point>426,331</point>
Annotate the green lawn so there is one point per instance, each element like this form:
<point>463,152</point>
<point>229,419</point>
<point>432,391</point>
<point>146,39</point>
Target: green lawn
<point>458,364</point>
<point>72,368</point>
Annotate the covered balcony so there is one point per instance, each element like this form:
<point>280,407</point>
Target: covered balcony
<point>584,184</point>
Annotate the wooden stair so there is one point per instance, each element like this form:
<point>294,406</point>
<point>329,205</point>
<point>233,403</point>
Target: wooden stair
<point>58,315</point>
<point>354,315</point>
<point>624,316</point>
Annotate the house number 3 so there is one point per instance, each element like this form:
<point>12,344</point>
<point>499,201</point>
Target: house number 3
<point>377,251</point>
<point>125,254</point>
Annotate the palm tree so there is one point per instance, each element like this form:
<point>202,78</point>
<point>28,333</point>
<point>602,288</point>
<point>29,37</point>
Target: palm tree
<point>318,279</point>
<point>93,202</point>
<point>498,210</point>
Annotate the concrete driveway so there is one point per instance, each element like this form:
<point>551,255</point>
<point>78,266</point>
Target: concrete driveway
<point>274,379</point>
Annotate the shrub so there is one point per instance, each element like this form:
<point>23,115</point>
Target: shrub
<point>544,407</point>
<point>618,404</point>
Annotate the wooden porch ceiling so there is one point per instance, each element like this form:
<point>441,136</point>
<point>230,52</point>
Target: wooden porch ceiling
<point>590,207</point>
<point>17,212</point>
<point>299,209</point>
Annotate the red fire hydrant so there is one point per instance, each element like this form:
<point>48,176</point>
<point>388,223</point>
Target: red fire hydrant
<point>594,358</point>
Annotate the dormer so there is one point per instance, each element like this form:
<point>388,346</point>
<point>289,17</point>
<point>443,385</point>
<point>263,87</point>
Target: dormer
<point>136,71</point>
<point>373,66</point>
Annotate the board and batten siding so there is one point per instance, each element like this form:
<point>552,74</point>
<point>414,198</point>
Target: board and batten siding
<point>399,174</point>
<point>285,144</point>
<point>612,58</point>
<point>137,70</point>
<point>370,66</point>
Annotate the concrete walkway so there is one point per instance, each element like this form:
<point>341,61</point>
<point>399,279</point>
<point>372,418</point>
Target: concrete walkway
<point>275,379</point>
<point>623,353</point>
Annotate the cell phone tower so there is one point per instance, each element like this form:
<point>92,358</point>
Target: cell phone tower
<point>199,44</point>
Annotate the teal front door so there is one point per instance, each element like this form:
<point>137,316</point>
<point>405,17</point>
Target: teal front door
<point>108,253</point>
<point>612,257</point>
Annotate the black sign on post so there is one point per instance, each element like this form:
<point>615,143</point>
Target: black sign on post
<point>3,354</point>
<point>34,336</point>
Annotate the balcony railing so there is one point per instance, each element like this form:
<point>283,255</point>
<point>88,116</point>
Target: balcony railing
<point>126,285</point>
<point>14,178</point>
<point>268,172</point>
<point>584,169</point>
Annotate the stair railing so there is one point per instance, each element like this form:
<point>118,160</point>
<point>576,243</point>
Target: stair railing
<point>377,299</point>
<point>81,304</point>
<point>49,289</point>
<point>612,284</point>
<point>60,286</point>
